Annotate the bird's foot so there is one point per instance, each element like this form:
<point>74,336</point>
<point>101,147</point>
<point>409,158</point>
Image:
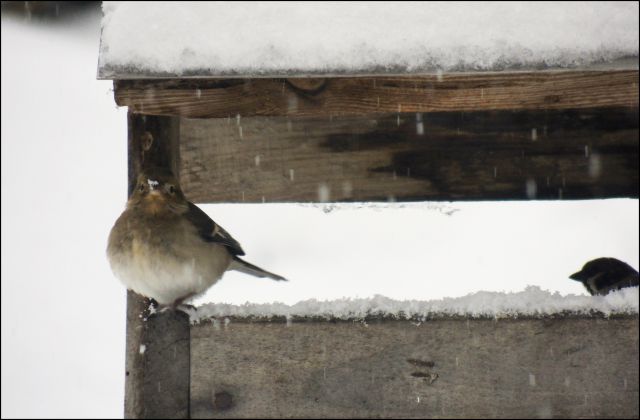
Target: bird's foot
<point>177,305</point>
<point>188,309</point>
<point>183,307</point>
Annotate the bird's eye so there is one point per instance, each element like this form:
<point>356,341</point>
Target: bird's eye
<point>172,189</point>
<point>141,187</point>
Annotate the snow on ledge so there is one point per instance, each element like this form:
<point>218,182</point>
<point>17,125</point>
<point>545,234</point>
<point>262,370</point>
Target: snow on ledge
<point>156,39</point>
<point>532,302</point>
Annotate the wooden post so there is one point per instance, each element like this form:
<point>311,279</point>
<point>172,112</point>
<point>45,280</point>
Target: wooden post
<point>158,345</point>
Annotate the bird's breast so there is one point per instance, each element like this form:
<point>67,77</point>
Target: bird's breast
<point>168,263</point>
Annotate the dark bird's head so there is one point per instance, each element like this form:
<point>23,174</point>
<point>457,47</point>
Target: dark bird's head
<point>602,275</point>
<point>157,192</point>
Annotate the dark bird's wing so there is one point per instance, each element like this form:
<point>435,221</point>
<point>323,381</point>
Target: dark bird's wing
<point>609,283</point>
<point>210,231</point>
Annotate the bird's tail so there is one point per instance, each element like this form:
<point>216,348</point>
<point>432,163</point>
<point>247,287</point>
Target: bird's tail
<point>241,265</point>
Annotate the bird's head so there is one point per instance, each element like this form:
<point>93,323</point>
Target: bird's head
<point>590,269</point>
<point>158,192</point>
<point>601,266</point>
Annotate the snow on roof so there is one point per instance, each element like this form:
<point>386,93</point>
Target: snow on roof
<point>156,39</point>
<point>533,301</point>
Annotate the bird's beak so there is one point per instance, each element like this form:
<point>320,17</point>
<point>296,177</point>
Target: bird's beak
<point>153,187</point>
<point>576,276</point>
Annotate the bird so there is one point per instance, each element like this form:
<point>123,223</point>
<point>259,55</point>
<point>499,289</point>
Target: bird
<point>166,248</point>
<point>603,275</point>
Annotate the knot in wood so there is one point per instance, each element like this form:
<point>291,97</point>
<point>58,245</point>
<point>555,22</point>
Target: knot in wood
<point>306,85</point>
<point>222,400</point>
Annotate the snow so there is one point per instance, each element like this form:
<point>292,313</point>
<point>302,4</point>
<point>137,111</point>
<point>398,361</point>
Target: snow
<point>280,38</point>
<point>532,301</point>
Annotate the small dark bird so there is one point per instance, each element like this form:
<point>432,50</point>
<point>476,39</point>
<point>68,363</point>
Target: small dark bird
<point>602,275</point>
<point>164,247</point>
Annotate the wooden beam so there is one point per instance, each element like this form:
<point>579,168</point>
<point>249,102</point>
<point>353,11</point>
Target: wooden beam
<point>157,352</point>
<point>561,367</point>
<point>340,96</point>
<point>569,154</point>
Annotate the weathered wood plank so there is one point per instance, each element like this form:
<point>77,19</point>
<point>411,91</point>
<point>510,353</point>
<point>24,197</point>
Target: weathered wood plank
<point>157,352</point>
<point>570,154</point>
<point>549,90</point>
<point>516,368</point>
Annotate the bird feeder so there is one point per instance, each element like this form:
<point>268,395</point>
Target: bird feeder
<point>371,131</point>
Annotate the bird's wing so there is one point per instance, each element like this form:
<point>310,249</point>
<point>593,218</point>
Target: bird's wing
<point>212,232</point>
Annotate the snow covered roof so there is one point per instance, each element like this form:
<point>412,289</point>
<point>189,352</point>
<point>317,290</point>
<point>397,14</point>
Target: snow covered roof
<point>260,39</point>
<point>532,302</point>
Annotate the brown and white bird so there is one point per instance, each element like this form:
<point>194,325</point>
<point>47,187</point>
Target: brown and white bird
<point>602,275</point>
<point>164,247</point>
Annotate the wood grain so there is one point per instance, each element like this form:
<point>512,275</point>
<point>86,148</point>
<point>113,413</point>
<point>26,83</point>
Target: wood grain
<point>570,154</point>
<point>445,368</point>
<point>341,96</point>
